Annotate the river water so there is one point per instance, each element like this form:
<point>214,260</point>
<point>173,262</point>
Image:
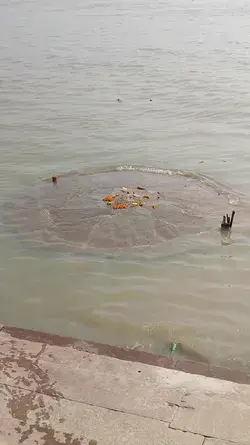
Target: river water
<point>181,71</point>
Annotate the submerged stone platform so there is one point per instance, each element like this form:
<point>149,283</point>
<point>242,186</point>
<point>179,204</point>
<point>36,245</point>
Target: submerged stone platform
<point>62,391</point>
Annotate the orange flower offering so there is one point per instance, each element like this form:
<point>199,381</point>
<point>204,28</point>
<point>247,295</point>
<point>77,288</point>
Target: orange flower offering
<point>131,197</point>
<point>109,198</point>
<point>120,206</point>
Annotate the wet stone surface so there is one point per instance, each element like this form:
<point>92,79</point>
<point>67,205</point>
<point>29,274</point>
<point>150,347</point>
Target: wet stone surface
<point>54,392</point>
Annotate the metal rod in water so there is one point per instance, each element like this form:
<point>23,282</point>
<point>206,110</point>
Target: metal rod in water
<point>227,222</point>
<point>232,218</point>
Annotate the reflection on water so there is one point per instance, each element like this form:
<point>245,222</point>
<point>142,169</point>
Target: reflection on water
<point>180,69</point>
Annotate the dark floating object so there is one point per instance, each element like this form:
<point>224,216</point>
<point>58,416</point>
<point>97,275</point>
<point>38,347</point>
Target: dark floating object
<point>232,218</point>
<point>54,179</point>
<point>118,100</point>
<point>227,222</point>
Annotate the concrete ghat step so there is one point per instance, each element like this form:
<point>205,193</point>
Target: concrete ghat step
<point>29,418</point>
<point>197,404</point>
<point>211,411</point>
<point>214,416</point>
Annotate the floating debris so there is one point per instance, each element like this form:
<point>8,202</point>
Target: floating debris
<point>120,206</point>
<point>227,222</point>
<point>109,198</point>
<point>232,218</point>
<point>129,198</point>
<point>43,214</point>
<point>173,346</point>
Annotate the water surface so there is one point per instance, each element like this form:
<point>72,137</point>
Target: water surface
<point>63,64</point>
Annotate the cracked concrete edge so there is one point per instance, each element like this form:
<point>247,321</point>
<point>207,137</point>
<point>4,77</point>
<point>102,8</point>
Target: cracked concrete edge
<point>195,434</point>
<point>208,440</point>
<point>187,366</point>
<point>33,415</point>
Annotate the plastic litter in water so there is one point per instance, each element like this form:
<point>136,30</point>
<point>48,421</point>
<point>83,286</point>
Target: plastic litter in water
<point>173,346</point>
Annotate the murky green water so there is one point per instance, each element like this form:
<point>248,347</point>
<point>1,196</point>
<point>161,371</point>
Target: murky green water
<point>63,64</point>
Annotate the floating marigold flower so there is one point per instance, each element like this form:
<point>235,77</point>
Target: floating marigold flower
<point>122,205</point>
<point>109,198</point>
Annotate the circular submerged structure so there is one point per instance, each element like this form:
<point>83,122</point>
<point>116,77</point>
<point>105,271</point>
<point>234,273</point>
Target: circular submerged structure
<point>71,211</point>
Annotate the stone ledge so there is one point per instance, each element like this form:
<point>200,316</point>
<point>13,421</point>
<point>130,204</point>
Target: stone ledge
<point>191,367</point>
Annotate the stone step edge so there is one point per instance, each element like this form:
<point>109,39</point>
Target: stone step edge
<point>120,353</point>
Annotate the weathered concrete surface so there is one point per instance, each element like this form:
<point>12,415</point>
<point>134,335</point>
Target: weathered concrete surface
<point>32,417</point>
<point>216,442</point>
<point>214,416</point>
<point>131,355</point>
<point>59,395</point>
